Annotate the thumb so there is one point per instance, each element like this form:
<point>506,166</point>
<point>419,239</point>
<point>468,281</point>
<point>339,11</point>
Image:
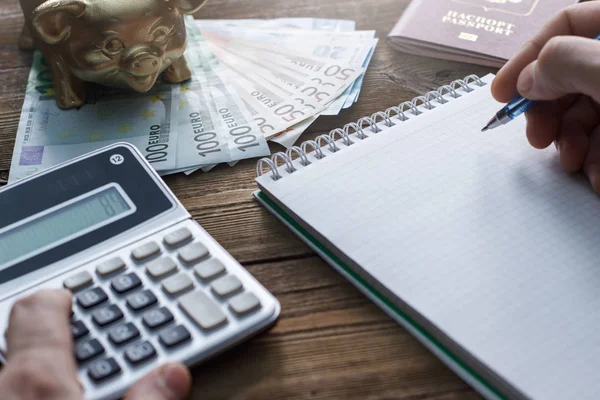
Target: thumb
<point>566,64</point>
<point>168,382</point>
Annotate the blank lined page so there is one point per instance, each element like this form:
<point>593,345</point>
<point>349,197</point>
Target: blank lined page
<point>480,233</point>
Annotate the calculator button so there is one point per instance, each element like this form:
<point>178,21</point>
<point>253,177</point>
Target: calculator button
<point>157,318</point>
<point>144,251</point>
<point>202,310</point>
<point>88,349</point>
<point>226,285</point>
<point>161,267</point>
<point>209,269</point>
<point>110,266</point>
<point>78,281</point>
<point>140,300</point>
<point>177,284</point>
<point>103,369</point>
<point>107,315</point>
<point>174,336</point>
<point>125,283</point>
<point>91,297</point>
<point>140,352</point>
<point>177,237</point>
<point>78,329</point>
<point>244,303</point>
<point>193,252</point>
<point>123,333</point>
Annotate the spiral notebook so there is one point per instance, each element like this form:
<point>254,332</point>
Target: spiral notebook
<point>478,244</point>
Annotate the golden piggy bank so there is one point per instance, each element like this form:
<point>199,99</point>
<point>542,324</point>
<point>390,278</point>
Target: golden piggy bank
<point>117,43</point>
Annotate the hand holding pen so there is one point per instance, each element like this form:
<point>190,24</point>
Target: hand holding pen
<point>559,70</point>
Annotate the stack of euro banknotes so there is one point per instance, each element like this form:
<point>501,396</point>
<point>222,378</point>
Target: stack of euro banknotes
<point>253,81</point>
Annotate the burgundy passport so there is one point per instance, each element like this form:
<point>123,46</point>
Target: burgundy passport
<point>486,32</point>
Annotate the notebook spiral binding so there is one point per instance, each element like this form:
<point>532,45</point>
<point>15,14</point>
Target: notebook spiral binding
<point>387,116</point>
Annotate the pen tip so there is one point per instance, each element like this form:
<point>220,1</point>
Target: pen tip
<point>485,128</point>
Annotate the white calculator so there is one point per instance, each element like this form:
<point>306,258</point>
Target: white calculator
<point>149,284</point>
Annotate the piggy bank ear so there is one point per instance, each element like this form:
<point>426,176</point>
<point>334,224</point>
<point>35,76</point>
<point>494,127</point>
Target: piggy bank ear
<point>53,19</point>
<point>188,6</point>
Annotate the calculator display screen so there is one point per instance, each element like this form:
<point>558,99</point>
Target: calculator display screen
<point>63,223</point>
<point>76,210</point>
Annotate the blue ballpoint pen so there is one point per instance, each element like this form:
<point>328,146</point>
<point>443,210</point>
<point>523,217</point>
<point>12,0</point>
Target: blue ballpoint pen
<point>512,110</point>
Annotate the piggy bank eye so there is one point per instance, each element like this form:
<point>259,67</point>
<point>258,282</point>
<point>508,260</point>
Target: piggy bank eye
<point>114,46</point>
<point>160,36</point>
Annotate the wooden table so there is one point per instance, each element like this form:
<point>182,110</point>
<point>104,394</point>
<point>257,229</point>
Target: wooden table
<point>330,342</point>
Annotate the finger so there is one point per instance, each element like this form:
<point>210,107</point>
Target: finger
<point>40,324</point>
<point>573,140</point>
<point>544,122</point>
<point>567,64</point>
<point>168,382</point>
<point>40,346</point>
<point>580,20</point>
<point>591,165</point>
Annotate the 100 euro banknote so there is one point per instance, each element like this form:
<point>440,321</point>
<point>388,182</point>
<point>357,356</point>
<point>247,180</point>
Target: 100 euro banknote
<point>214,125</point>
<point>48,135</point>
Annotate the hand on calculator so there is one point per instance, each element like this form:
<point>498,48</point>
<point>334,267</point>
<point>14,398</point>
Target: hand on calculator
<point>41,363</point>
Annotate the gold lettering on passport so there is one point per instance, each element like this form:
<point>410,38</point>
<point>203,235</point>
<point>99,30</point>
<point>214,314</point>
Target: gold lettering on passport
<point>468,36</point>
<point>479,22</point>
<point>521,8</point>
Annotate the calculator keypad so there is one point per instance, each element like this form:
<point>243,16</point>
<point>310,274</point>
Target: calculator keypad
<point>102,369</point>
<point>78,329</point>
<point>125,283</point>
<point>78,281</point>
<point>123,333</point>
<point>177,237</point>
<point>209,269</point>
<point>161,267</point>
<point>193,252</point>
<point>91,298</point>
<point>202,310</point>
<point>110,266</point>
<point>145,251</point>
<point>226,285</point>
<point>156,318</point>
<point>174,336</point>
<point>88,349</point>
<point>107,315</point>
<point>140,300</point>
<point>177,284</point>
<point>171,294</point>
<point>244,303</point>
<point>140,352</point>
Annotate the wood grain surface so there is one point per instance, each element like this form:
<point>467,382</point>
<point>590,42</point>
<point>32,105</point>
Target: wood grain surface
<point>330,342</point>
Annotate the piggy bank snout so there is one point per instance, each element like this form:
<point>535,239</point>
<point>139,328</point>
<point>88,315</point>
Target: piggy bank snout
<point>142,62</point>
<point>141,65</point>
<point>146,64</point>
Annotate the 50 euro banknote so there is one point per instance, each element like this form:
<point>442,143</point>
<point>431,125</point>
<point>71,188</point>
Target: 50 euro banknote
<point>318,24</point>
<point>340,46</point>
<point>284,89</point>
